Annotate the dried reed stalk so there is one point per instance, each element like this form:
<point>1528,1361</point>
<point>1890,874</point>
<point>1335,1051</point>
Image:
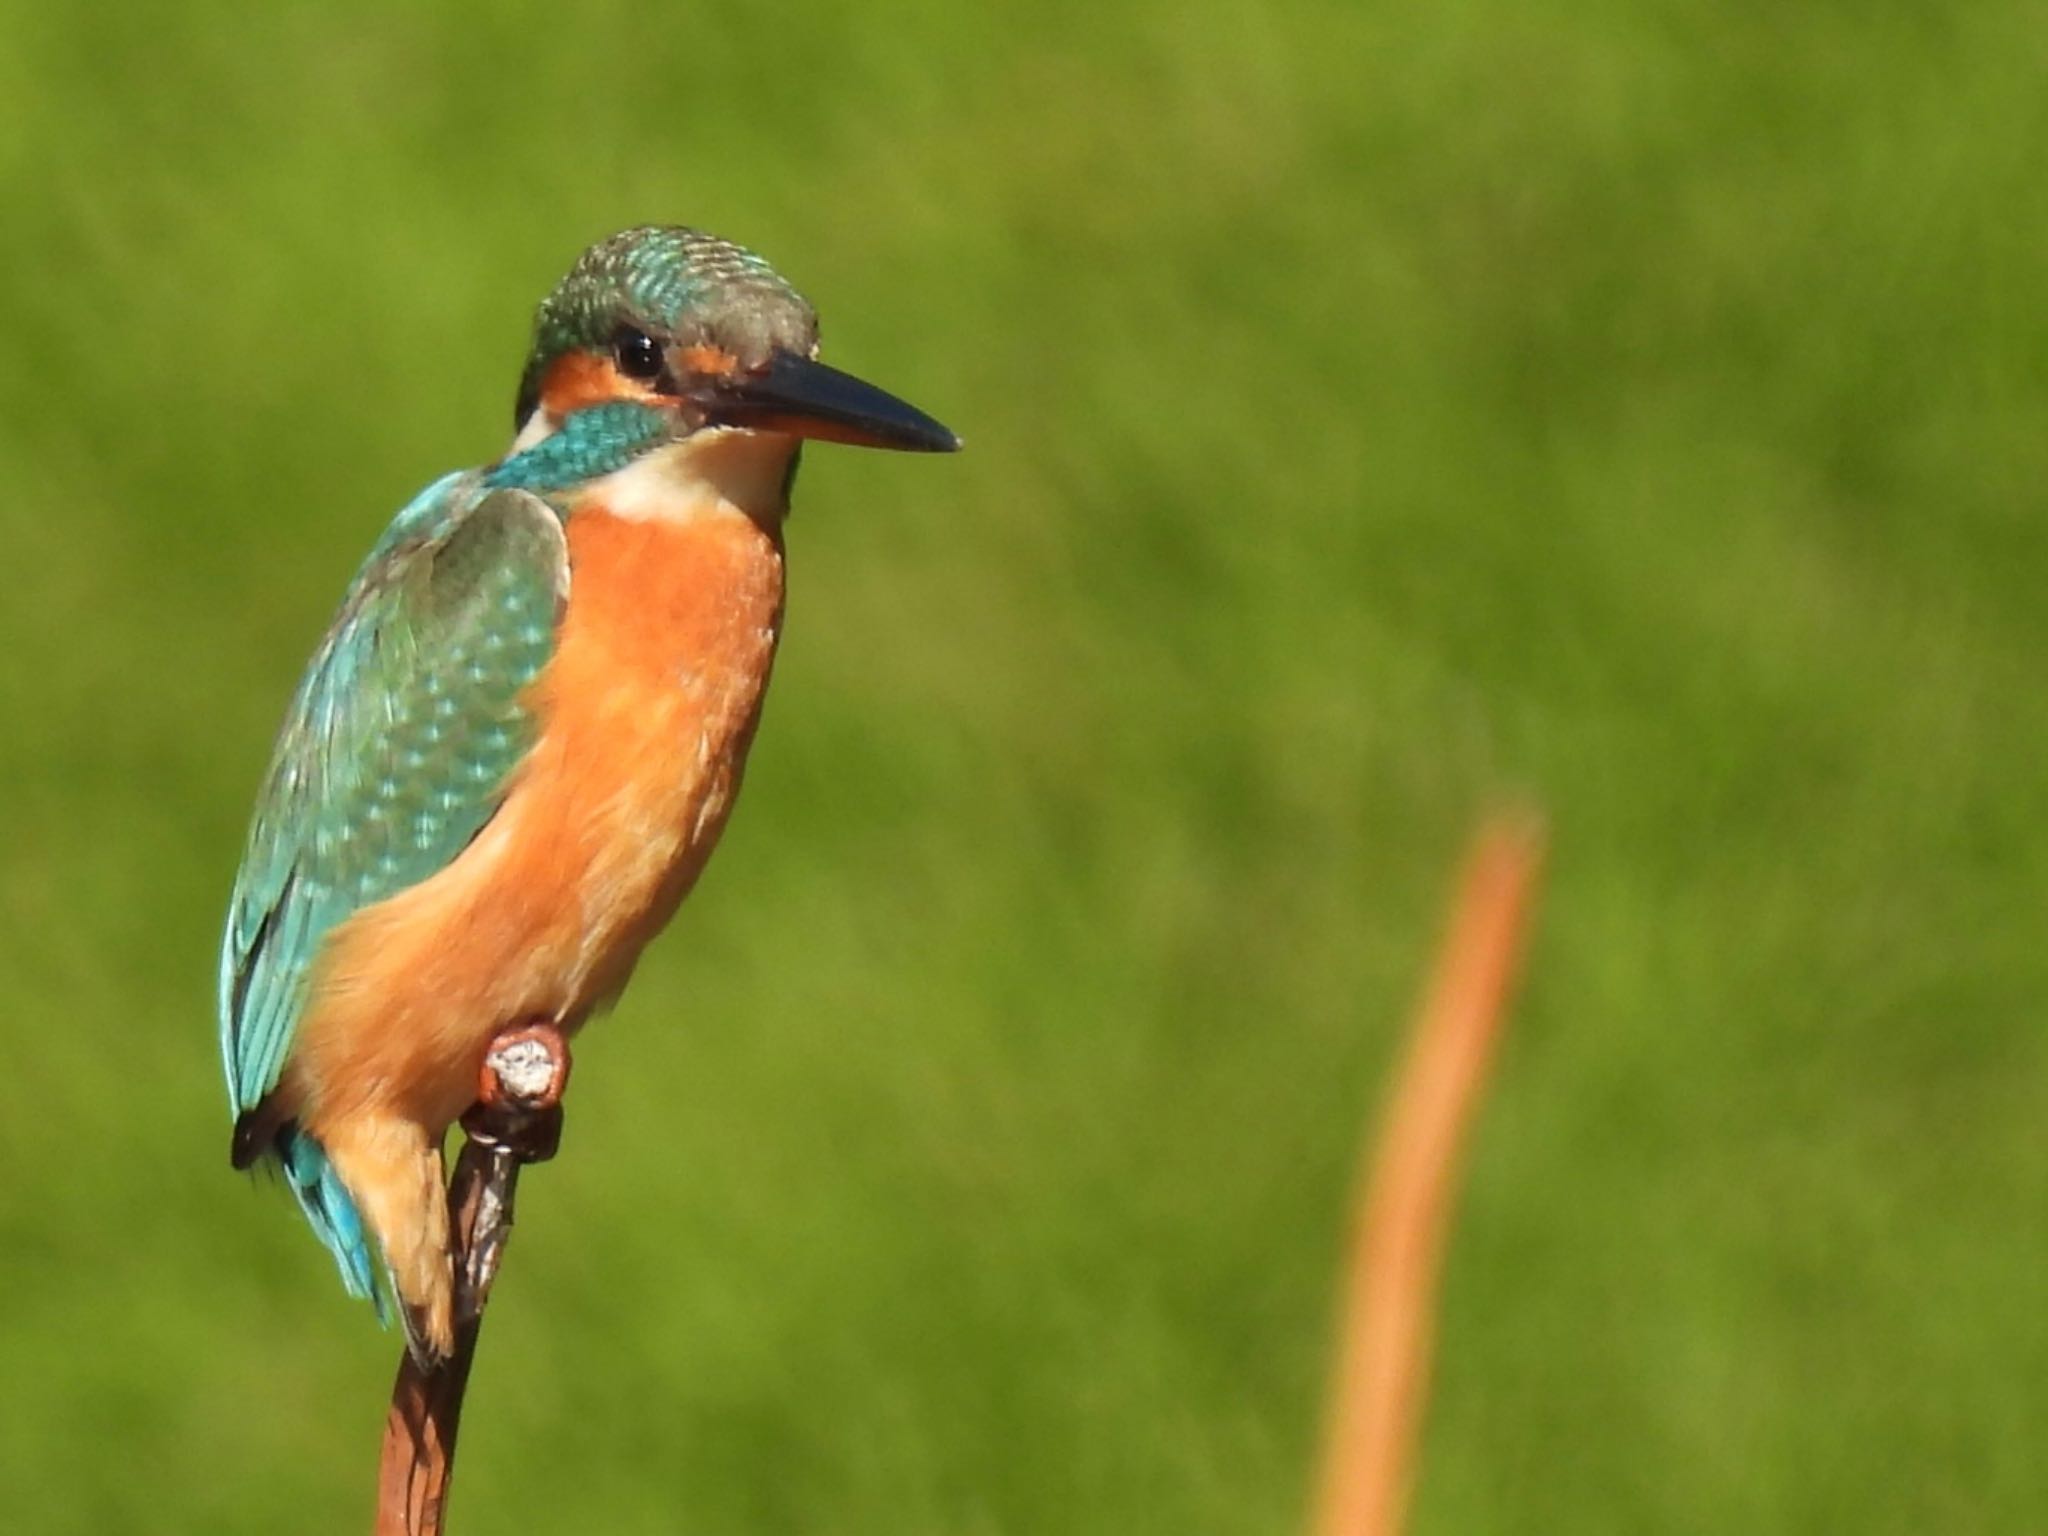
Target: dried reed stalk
<point>516,1120</point>
<point>1406,1189</point>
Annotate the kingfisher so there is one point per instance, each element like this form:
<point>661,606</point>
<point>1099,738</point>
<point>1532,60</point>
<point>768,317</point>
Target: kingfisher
<point>520,739</point>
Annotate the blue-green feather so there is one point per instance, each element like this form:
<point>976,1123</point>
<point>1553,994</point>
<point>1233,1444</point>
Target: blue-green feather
<point>394,754</point>
<point>594,442</point>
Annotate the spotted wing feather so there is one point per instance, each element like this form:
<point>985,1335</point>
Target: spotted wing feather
<point>398,748</point>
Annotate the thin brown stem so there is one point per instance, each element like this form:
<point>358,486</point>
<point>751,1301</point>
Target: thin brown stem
<point>516,1120</point>
<point>1406,1189</point>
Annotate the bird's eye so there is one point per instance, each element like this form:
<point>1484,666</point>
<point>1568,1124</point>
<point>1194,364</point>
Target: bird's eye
<point>638,354</point>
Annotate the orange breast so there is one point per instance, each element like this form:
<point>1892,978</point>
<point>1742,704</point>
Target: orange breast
<point>646,712</point>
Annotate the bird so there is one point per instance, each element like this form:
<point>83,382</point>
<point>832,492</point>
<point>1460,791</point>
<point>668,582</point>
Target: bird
<point>521,737</point>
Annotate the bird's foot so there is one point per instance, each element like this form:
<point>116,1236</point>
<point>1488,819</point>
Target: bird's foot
<point>516,1120</point>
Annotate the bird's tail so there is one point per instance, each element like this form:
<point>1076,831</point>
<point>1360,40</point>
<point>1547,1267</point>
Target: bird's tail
<point>331,1212</point>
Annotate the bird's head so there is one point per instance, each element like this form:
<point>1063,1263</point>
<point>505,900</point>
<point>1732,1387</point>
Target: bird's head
<point>662,333</point>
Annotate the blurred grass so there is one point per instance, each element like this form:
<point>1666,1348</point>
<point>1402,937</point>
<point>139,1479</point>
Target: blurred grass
<point>1370,412</point>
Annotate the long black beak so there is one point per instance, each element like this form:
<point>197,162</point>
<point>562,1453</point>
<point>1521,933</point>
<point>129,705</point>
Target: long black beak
<point>808,399</point>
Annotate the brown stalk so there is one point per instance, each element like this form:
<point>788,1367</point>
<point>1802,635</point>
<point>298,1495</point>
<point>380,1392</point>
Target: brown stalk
<point>516,1120</point>
<point>1388,1321</point>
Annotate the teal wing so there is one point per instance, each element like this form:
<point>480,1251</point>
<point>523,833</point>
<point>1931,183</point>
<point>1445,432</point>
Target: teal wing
<point>396,752</point>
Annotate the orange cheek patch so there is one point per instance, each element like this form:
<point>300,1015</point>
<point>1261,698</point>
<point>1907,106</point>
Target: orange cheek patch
<point>708,362</point>
<point>577,379</point>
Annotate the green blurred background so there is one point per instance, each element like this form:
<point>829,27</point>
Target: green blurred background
<point>1373,412</point>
